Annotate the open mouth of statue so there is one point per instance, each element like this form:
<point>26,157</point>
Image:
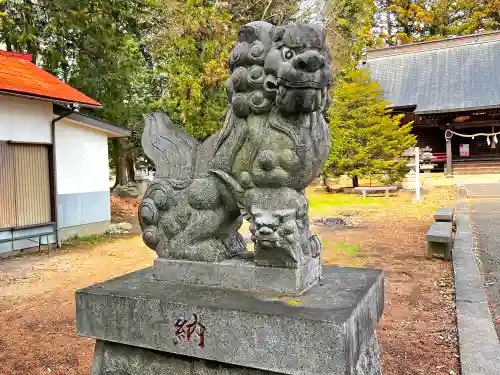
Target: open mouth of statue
<point>309,98</point>
<point>311,95</point>
<point>271,238</point>
<point>301,84</point>
<point>273,84</point>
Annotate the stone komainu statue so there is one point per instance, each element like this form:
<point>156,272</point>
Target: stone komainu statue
<point>274,142</point>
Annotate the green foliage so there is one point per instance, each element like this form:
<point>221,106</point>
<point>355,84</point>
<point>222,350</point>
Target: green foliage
<point>349,30</point>
<point>192,49</point>
<point>94,45</point>
<point>136,56</point>
<point>407,21</point>
<point>366,139</point>
<point>277,12</point>
<point>192,52</point>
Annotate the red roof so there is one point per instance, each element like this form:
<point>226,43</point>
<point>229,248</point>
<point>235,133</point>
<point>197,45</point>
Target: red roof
<point>18,75</point>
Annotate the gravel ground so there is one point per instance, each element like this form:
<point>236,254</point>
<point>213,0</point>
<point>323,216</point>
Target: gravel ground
<point>485,215</point>
<point>37,304</point>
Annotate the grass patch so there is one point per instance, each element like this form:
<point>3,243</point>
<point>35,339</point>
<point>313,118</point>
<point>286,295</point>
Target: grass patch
<point>349,249</point>
<point>343,248</point>
<point>320,202</point>
<point>323,204</point>
<point>342,253</point>
<point>92,240</point>
<point>400,205</point>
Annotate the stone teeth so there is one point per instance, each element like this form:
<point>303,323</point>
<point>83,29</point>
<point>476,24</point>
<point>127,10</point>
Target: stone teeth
<point>281,92</point>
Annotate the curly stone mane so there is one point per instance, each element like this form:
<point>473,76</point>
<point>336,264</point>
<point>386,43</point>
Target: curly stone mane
<point>247,87</point>
<point>283,66</point>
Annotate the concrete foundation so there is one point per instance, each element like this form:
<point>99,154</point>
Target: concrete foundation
<point>144,327</point>
<point>83,230</point>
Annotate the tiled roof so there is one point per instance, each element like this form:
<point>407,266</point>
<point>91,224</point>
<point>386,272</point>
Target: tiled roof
<point>442,77</point>
<point>18,75</point>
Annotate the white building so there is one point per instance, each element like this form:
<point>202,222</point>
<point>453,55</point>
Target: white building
<point>54,175</point>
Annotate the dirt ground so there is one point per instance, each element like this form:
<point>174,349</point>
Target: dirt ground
<point>417,333</point>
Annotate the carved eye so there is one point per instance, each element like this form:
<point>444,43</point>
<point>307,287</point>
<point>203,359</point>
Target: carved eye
<point>288,54</point>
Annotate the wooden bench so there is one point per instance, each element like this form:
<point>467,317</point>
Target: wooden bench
<point>439,240</point>
<point>32,237</point>
<point>375,189</point>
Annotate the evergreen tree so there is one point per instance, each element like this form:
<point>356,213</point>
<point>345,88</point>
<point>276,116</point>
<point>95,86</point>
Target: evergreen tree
<point>366,139</point>
<point>192,46</point>
<point>192,49</point>
<point>95,46</point>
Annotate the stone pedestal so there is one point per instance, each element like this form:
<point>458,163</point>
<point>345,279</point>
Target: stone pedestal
<point>239,274</point>
<point>145,326</point>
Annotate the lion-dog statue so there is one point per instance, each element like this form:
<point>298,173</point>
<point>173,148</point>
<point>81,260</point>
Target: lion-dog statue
<point>273,143</point>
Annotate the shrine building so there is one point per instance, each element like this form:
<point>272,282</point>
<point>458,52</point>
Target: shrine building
<point>450,89</point>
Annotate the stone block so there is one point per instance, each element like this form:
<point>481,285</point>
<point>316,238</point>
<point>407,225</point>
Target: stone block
<point>444,215</point>
<point>239,274</point>
<point>439,240</point>
<point>327,330</point>
<point>439,250</point>
<point>468,280</point>
<point>440,232</point>
<point>118,359</point>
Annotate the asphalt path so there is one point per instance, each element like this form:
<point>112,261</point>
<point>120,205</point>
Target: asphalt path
<point>485,217</point>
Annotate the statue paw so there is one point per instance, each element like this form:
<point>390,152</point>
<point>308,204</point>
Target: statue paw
<point>315,246</point>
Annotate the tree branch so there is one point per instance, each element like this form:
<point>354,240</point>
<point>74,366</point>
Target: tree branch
<point>267,8</point>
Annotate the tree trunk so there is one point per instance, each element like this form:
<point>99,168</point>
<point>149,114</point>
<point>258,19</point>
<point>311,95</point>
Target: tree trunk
<point>322,179</point>
<point>122,174</point>
<point>323,182</point>
<point>388,16</point>
<point>115,156</point>
<point>355,181</point>
<point>130,165</point>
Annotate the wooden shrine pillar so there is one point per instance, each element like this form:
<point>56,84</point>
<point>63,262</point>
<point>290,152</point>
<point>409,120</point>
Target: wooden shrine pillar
<point>449,161</point>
